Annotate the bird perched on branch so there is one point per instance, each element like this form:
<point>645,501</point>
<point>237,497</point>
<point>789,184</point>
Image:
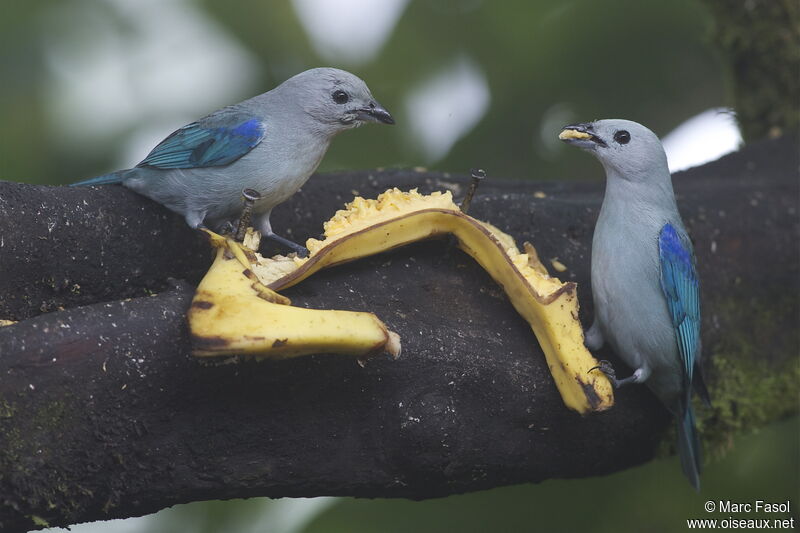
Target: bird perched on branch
<point>271,143</point>
<point>644,280</point>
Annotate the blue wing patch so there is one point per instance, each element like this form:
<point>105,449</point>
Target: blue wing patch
<point>200,144</point>
<point>681,288</point>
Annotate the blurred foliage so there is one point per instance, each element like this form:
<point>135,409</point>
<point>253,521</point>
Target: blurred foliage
<point>760,40</point>
<point>647,61</point>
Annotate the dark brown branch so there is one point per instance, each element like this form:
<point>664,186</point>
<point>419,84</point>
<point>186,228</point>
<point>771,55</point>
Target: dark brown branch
<point>103,414</point>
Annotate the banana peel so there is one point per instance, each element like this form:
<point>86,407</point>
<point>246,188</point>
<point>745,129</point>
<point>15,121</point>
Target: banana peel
<point>396,218</point>
<point>233,313</point>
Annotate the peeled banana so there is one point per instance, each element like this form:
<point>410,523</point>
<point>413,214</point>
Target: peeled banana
<point>233,313</point>
<point>395,218</point>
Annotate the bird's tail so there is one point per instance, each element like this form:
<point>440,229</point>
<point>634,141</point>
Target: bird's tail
<point>114,177</point>
<point>689,447</point>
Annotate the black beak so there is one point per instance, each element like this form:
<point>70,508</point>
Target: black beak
<point>375,112</point>
<point>582,135</point>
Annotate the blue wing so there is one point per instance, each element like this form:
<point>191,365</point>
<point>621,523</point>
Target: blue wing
<point>210,142</point>
<point>681,288</point>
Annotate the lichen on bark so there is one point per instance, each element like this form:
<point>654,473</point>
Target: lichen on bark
<point>755,369</point>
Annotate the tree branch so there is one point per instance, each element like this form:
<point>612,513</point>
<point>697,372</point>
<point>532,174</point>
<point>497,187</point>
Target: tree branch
<point>103,414</point>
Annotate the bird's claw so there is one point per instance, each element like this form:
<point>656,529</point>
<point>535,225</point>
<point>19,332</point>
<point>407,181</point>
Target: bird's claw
<point>607,368</point>
<point>226,228</point>
<point>300,250</point>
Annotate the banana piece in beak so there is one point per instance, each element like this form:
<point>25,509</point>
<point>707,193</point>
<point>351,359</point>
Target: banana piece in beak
<point>573,134</point>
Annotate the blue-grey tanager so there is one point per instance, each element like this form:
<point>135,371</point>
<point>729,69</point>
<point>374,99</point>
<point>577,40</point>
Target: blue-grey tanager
<point>271,143</point>
<point>644,280</point>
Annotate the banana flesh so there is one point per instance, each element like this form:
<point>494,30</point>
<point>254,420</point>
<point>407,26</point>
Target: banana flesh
<point>233,313</point>
<point>396,218</point>
<point>573,134</point>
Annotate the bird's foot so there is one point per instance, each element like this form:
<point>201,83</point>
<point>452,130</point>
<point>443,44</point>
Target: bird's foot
<point>606,368</point>
<point>302,251</point>
<point>227,228</point>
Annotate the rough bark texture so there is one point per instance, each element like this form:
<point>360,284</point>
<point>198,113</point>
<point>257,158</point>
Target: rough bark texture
<point>759,41</point>
<point>103,414</point>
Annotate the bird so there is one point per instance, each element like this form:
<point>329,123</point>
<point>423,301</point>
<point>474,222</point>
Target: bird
<point>645,285</point>
<point>271,143</point>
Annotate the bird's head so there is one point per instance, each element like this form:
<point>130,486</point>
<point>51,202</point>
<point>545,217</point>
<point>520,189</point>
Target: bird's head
<point>336,99</point>
<point>627,148</point>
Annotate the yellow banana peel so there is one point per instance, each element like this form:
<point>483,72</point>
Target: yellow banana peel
<point>233,313</point>
<point>395,218</point>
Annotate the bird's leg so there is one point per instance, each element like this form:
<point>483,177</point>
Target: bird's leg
<point>594,337</point>
<point>265,228</point>
<point>249,199</point>
<point>638,376</point>
<point>478,175</point>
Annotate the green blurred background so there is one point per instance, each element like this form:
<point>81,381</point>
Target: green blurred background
<point>89,86</point>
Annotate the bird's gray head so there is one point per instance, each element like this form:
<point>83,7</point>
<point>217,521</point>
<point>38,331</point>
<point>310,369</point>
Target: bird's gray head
<point>625,148</point>
<point>335,99</point>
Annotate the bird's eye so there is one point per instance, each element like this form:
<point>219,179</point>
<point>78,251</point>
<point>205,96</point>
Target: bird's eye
<point>340,97</point>
<point>622,137</point>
